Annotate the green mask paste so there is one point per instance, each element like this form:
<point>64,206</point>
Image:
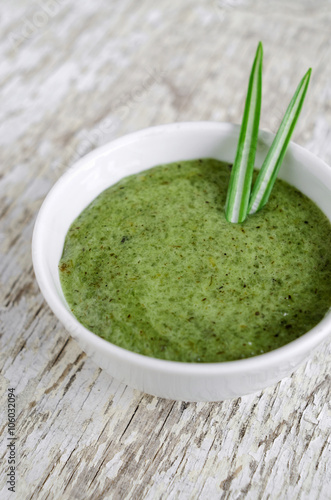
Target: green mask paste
<point>153,266</point>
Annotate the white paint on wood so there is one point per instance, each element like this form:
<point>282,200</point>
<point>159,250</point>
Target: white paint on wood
<point>76,83</point>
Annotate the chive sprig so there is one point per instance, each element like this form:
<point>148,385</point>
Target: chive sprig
<point>242,171</point>
<point>240,200</point>
<point>272,163</point>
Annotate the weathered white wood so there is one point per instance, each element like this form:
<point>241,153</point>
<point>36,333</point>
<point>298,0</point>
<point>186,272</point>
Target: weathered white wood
<point>74,75</point>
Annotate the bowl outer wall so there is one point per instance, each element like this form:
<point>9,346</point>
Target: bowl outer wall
<point>136,152</point>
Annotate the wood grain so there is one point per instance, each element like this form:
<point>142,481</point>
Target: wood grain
<point>72,77</point>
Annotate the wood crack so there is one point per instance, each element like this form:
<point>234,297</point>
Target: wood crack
<point>165,420</point>
<point>60,353</point>
<point>131,419</point>
<point>64,374</point>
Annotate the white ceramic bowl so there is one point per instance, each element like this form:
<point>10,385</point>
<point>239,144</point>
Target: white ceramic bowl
<point>133,153</point>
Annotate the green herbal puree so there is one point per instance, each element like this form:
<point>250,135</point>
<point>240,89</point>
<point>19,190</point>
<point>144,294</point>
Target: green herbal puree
<point>153,266</point>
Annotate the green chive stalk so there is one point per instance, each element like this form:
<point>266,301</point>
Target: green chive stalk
<point>272,163</point>
<point>239,189</point>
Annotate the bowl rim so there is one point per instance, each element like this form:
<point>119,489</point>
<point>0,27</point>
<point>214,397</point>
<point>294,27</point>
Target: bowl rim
<point>299,346</point>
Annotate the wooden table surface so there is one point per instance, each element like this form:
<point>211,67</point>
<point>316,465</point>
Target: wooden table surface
<point>73,76</point>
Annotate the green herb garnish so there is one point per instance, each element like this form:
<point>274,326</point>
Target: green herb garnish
<point>242,171</point>
<point>271,165</point>
<point>240,201</point>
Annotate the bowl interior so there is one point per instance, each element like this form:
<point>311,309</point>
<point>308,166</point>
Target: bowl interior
<point>142,150</point>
